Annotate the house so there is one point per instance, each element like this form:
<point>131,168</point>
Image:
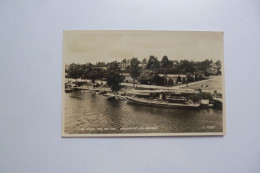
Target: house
<point>141,66</point>
<point>100,67</point>
<point>123,64</point>
<point>214,69</point>
<point>128,78</point>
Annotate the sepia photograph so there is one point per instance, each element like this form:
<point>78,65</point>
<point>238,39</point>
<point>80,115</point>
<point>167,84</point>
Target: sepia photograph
<point>129,86</point>
<point>143,83</point>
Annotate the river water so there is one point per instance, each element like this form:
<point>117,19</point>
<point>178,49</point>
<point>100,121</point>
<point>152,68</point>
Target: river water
<point>91,113</point>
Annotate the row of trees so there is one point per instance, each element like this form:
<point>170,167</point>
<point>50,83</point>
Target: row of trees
<point>166,66</point>
<point>150,74</point>
<point>88,71</point>
<point>147,75</point>
<point>85,71</point>
<point>151,77</point>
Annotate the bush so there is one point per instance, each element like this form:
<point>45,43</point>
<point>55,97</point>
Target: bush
<point>170,82</point>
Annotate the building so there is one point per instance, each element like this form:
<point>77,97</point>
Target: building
<point>123,64</point>
<point>128,78</point>
<point>141,66</point>
<point>100,67</point>
<point>174,77</point>
<point>214,69</point>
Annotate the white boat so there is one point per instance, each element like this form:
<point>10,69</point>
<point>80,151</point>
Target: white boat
<point>111,96</point>
<point>159,103</point>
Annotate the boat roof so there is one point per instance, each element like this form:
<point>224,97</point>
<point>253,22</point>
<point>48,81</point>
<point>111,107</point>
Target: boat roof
<point>174,91</point>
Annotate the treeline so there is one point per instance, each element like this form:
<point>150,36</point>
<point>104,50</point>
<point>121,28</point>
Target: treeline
<point>166,66</point>
<point>85,71</point>
<point>185,67</point>
<point>147,73</point>
<point>88,71</point>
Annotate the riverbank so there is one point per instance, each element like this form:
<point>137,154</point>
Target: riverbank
<point>213,83</point>
<point>209,85</point>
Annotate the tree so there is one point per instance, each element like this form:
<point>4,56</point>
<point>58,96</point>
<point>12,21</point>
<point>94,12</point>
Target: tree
<point>113,77</point>
<point>134,71</point>
<point>189,77</point>
<point>148,77</point>
<point>183,80</point>
<point>218,63</point>
<point>94,74</point>
<point>124,61</point>
<point>153,63</point>
<point>75,71</point>
<point>170,64</point>
<point>187,66</point>
<point>196,77</point>
<point>144,60</point>
<point>206,73</point>
<point>145,77</point>
<point>170,82</point>
<point>100,64</point>
<point>127,69</point>
<point>158,80</point>
<point>165,72</point>
<point>178,80</point>
<point>204,66</point>
<point>218,71</point>
<point>66,72</point>
<point>199,75</point>
<point>205,63</point>
<point>165,62</point>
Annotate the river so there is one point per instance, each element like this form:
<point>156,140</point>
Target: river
<point>91,113</point>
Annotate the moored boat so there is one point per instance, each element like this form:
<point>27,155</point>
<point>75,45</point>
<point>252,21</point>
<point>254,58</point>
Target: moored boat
<point>69,90</point>
<point>160,103</point>
<point>86,91</point>
<point>111,96</point>
<point>102,92</point>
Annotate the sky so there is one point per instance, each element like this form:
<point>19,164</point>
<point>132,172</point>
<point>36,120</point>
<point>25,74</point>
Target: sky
<point>106,46</point>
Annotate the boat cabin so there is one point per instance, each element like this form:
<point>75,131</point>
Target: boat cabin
<point>167,96</point>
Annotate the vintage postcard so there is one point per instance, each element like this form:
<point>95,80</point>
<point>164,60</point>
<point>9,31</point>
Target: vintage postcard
<point>143,83</point>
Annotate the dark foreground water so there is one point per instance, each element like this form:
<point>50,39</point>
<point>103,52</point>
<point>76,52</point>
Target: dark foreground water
<point>91,113</point>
